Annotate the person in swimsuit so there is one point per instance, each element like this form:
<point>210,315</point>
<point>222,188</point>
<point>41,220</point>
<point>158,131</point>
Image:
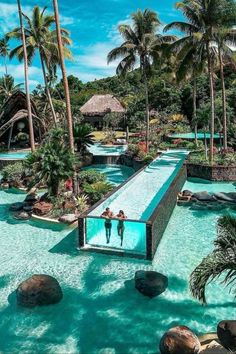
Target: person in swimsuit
<point>108,215</point>
<point>120,227</point>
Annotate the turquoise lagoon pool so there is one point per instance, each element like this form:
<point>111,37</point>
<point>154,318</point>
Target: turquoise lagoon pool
<point>191,136</point>
<point>13,155</point>
<point>102,150</point>
<point>116,174</point>
<point>96,149</point>
<point>101,312</point>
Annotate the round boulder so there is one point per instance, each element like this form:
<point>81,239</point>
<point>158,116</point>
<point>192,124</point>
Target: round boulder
<point>16,206</point>
<point>150,283</point>
<point>226,331</point>
<point>39,290</point>
<point>22,216</point>
<point>179,340</point>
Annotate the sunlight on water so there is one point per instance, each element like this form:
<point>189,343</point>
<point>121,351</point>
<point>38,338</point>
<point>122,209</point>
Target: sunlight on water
<point>101,312</point>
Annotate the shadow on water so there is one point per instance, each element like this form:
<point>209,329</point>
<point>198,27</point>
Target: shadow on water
<point>67,245</point>
<point>97,316</point>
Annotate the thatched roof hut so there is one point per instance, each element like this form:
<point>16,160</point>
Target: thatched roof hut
<point>98,106</point>
<point>13,112</point>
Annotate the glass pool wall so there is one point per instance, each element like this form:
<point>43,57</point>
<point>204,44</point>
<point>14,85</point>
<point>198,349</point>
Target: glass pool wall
<point>134,235</point>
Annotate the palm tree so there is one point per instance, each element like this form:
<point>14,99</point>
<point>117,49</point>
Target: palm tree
<point>40,37</point>
<point>225,39</point>
<point>4,51</point>
<point>8,87</point>
<point>64,76</point>
<point>222,261</point>
<point>141,46</point>
<point>204,18</point>
<point>190,63</point>
<point>83,137</point>
<point>25,57</point>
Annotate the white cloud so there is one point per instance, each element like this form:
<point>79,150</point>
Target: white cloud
<point>9,16</point>
<point>17,71</point>
<point>96,56</point>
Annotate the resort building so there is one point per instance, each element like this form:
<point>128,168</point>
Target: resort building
<point>14,126</point>
<point>98,107</point>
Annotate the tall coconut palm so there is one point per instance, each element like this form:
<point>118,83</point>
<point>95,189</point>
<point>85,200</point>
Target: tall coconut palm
<point>190,63</point>
<point>41,38</point>
<point>141,45</point>
<point>64,76</point>
<point>4,51</point>
<point>221,262</point>
<point>225,39</point>
<point>25,57</point>
<point>204,18</point>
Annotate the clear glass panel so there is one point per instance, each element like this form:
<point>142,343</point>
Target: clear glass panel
<point>129,237</point>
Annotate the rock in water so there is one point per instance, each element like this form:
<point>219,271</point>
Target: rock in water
<point>39,290</point>
<point>150,283</point>
<point>22,216</point>
<point>180,340</point>
<point>68,218</point>
<point>16,206</point>
<point>226,331</point>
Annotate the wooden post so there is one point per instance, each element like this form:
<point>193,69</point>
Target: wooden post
<point>9,137</point>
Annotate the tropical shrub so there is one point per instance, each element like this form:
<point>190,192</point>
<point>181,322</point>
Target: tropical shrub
<point>82,203</point>
<point>53,162</point>
<point>97,190</point>
<point>13,171</point>
<point>83,137</point>
<point>90,177</point>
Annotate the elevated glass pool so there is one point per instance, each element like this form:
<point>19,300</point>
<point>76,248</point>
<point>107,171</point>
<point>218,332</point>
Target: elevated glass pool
<point>101,312</point>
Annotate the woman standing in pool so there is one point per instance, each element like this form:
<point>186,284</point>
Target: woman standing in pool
<point>121,227</point>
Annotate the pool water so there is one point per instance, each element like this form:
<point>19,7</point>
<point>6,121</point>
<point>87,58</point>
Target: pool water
<point>101,312</point>
<point>116,174</point>
<point>98,149</point>
<point>13,155</point>
<point>191,136</point>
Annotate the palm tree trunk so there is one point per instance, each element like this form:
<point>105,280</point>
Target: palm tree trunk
<point>64,75</point>
<point>31,128</point>
<point>225,143</point>
<point>47,89</point>
<point>5,64</point>
<point>143,69</point>
<point>212,120</point>
<point>195,108</point>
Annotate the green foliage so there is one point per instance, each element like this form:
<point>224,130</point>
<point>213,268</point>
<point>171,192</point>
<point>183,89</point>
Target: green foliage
<point>109,137</point>
<point>13,171</point>
<point>220,159</point>
<point>83,137</point>
<point>82,203</point>
<point>97,190</point>
<point>53,162</point>
<point>90,177</point>
<point>221,262</point>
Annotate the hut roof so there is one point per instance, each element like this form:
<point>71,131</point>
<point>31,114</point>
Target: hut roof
<point>13,105</point>
<point>15,109</point>
<point>100,105</point>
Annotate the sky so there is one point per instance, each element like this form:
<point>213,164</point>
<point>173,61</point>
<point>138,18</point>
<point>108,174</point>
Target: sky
<point>93,27</point>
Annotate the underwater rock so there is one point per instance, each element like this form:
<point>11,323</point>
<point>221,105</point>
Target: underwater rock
<point>22,216</point>
<point>68,218</point>
<point>16,206</point>
<point>39,290</point>
<point>150,283</point>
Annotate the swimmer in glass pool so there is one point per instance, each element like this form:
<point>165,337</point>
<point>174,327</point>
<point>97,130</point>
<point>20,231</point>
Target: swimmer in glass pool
<point>121,227</point>
<point>108,215</point>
